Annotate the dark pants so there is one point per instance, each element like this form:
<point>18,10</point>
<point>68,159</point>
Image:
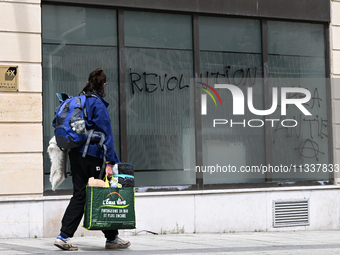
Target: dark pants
<point>82,169</point>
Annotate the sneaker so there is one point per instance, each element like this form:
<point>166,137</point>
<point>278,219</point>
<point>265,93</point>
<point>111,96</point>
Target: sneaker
<point>65,244</point>
<point>117,243</point>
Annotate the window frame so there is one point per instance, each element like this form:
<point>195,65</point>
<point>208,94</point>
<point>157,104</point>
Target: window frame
<point>190,7</point>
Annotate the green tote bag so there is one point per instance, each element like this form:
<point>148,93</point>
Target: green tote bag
<point>109,208</point>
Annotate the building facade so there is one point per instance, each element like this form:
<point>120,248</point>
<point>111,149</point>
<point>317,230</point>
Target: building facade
<point>203,162</point>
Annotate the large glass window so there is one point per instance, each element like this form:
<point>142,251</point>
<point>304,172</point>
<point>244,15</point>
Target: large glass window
<point>230,53</point>
<point>76,41</point>
<point>160,129</point>
<point>297,59</point>
<point>160,92</point>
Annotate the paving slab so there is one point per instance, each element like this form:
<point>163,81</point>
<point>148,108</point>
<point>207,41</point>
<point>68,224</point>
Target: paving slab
<point>299,242</point>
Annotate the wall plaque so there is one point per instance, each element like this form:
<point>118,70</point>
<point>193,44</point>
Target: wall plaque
<point>9,77</point>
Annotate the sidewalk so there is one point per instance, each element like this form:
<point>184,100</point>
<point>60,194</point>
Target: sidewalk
<point>310,242</point>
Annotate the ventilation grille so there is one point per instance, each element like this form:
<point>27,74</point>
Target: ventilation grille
<point>289,213</point>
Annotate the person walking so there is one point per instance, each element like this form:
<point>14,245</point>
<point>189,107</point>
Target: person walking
<point>83,168</point>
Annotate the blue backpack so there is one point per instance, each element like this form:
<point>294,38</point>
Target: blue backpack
<point>70,127</point>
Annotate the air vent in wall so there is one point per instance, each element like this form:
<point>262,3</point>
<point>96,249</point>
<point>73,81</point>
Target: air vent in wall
<point>288,213</point>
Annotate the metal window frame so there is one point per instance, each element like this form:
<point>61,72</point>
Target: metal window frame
<point>303,10</point>
<point>266,96</point>
<point>329,96</point>
<point>241,9</point>
<point>198,116</point>
<point>122,85</point>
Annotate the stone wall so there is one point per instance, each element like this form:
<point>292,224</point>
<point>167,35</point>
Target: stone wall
<point>209,211</point>
<point>21,164</point>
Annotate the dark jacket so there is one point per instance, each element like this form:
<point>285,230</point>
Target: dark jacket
<point>98,119</point>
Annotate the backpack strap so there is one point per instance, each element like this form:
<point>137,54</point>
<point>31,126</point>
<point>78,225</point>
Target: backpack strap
<point>65,162</point>
<point>101,174</point>
<point>87,94</point>
<point>95,136</point>
<point>89,136</point>
<point>98,137</point>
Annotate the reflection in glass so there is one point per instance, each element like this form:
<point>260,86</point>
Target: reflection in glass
<point>297,59</point>
<point>230,51</point>
<point>70,53</point>
<point>160,123</point>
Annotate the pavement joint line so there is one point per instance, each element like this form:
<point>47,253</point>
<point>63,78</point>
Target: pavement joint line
<point>88,248</point>
<point>236,249</point>
<point>22,248</point>
<point>304,242</point>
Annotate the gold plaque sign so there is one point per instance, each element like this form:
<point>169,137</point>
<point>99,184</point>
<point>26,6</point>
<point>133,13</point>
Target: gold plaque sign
<point>9,78</point>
